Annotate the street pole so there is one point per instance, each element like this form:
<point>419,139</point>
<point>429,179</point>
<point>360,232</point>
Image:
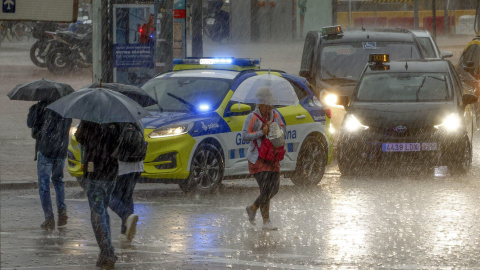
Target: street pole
<point>434,12</point>
<point>376,9</point>
<point>97,40</point>
<point>350,13</point>
<point>415,14</point>
<point>445,18</point>
<point>197,27</point>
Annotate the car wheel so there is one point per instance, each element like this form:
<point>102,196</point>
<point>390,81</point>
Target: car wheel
<point>346,162</point>
<point>206,171</point>
<point>463,159</point>
<point>311,163</point>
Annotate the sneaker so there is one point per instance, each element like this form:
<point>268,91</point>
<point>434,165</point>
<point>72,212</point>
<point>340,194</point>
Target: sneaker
<point>251,215</point>
<point>269,226</point>
<point>48,224</point>
<point>106,262</point>
<point>62,220</point>
<point>122,238</point>
<point>131,226</point>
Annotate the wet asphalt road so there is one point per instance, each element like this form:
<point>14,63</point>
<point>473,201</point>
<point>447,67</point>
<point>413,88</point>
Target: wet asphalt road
<point>387,219</point>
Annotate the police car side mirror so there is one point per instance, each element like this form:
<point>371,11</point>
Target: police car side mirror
<point>469,99</point>
<point>343,100</point>
<point>446,54</point>
<point>236,108</point>
<point>304,73</point>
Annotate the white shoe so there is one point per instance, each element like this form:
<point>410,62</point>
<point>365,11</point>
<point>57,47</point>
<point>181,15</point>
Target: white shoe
<point>123,239</point>
<point>269,226</point>
<point>131,224</point>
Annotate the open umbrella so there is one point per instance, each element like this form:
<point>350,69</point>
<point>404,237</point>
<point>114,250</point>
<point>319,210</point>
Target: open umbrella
<point>99,105</point>
<point>134,92</point>
<point>40,90</point>
<point>282,92</point>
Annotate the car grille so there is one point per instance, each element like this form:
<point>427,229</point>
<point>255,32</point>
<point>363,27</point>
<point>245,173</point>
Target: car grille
<point>172,157</point>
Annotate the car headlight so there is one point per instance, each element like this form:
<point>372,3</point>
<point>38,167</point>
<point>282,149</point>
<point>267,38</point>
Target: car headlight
<point>73,130</point>
<point>352,124</point>
<point>451,123</point>
<point>169,131</point>
<point>331,99</point>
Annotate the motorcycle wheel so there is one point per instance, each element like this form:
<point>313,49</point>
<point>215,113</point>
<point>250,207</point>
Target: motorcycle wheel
<point>58,61</point>
<point>37,53</point>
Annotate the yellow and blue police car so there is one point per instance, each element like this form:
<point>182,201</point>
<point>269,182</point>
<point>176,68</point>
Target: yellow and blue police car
<point>194,134</point>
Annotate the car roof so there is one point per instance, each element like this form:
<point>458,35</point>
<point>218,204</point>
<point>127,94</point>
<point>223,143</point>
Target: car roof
<point>421,33</point>
<point>412,66</point>
<point>204,73</point>
<point>377,35</point>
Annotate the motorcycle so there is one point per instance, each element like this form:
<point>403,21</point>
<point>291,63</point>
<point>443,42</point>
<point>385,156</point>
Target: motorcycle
<point>75,53</point>
<point>42,46</point>
<point>217,22</point>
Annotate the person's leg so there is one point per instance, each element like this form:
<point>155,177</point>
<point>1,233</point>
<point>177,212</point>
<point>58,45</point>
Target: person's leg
<point>44,168</point>
<point>252,209</point>
<point>99,193</point>
<point>116,200</point>
<point>122,203</point>
<point>58,184</point>
<point>271,187</point>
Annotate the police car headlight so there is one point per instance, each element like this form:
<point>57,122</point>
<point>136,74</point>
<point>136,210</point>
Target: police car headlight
<point>169,131</point>
<point>73,130</point>
<point>451,123</point>
<point>353,125</point>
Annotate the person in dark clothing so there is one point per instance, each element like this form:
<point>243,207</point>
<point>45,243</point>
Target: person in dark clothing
<point>51,144</point>
<point>100,171</point>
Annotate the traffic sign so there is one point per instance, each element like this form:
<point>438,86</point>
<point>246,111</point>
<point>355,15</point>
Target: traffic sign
<point>39,10</point>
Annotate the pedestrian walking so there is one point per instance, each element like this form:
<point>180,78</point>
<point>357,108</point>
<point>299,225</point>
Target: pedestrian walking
<point>50,132</point>
<point>100,170</point>
<point>130,152</point>
<point>265,170</point>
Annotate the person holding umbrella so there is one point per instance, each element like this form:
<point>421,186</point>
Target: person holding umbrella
<point>100,111</point>
<point>50,131</point>
<point>266,172</point>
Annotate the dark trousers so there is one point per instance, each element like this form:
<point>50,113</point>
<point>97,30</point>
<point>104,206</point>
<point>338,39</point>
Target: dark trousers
<point>122,197</point>
<point>269,183</point>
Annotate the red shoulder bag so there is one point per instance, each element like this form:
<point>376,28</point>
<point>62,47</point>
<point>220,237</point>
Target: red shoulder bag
<point>267,151</point>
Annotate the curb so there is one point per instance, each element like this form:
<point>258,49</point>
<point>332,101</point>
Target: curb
<point>31,185</point>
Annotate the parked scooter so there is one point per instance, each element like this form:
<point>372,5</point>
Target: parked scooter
<point>75,53</point>
<point>41,47</point>
<point>217,22</point>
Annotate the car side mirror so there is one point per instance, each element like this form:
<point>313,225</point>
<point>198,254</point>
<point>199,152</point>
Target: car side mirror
<point>470,66</point>
<point>239,108</point>
<point>469,99</point>
<point>343,100</point>
<point>304,73</point>
<point>446,54</point>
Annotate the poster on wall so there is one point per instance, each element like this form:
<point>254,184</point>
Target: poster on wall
<point>133,43</point>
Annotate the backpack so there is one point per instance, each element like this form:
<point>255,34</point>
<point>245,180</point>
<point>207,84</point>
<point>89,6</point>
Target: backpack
<point>35,119</point>
<point>132,146</point>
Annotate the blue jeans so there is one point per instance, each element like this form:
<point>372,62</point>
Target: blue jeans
<point>122,197</point>
<point>45,168</point>
<point>99,194</point>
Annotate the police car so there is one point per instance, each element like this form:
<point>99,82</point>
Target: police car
<point>407,112</point>
<point>195,134</point>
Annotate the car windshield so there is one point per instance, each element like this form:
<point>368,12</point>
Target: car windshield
<point>402,87</point>
<point>347,61</point>
<point>427,48</point>
<point>186,94</point>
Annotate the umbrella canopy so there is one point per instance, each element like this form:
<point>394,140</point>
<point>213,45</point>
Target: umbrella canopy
<point>131,91</point>
<point>99,105</point>
<point>40,90</point>
<point>252,90</point>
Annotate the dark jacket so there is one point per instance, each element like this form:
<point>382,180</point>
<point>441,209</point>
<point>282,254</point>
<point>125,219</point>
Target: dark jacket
<point>53,142</point>
<point>98,141</point>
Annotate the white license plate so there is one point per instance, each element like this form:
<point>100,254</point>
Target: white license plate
<point>210,21</point>
<point>408,147</point>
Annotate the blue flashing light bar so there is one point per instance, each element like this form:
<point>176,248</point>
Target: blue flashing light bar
<point>243,62</point>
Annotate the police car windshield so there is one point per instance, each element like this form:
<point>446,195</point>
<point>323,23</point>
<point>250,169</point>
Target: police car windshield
<point>186,94</point>
<point>347,61</point>
<point>401,87</point>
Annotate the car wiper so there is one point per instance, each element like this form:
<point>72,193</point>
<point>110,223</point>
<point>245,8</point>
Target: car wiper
<point>189,105</point>
<point>420,87</point>
<point>158,104</point>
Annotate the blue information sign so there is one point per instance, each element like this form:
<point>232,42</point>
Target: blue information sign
<point>8,6</point>
<point>132,55</point>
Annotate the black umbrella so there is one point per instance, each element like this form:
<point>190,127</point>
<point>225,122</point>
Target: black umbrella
<point>99,105</point>
<point>40,90</point>
<point>131,91</point>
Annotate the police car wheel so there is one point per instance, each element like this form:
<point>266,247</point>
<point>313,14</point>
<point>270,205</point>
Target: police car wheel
<point>463,159</point>
<point>311,163</point>
<point>206,171</point>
